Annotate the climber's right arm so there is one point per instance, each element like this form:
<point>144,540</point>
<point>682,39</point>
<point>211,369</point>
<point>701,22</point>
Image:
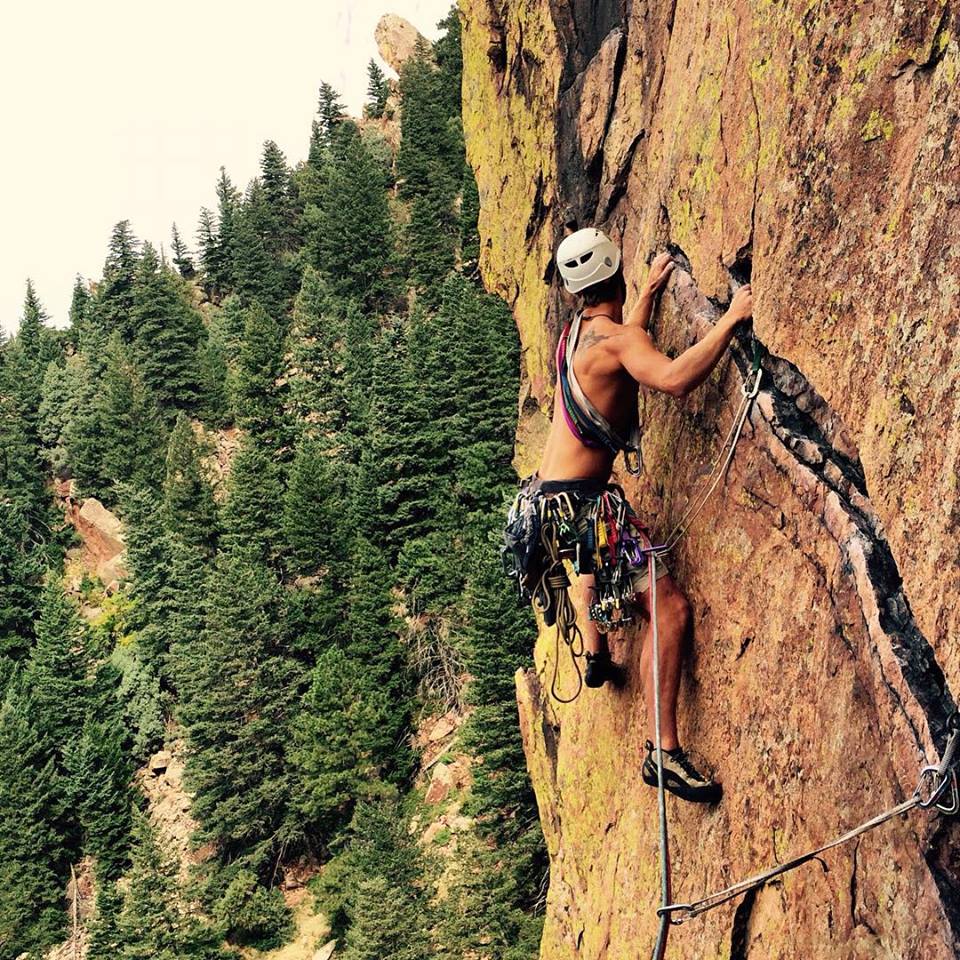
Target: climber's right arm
<point>647,365</point>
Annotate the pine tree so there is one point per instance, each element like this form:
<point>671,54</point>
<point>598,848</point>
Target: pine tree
<point>431,146</point>
<point>21,474</point>
<point>373,642</point>
<point>84,432</point>
<point>208,246</point>
<point>235,711</point>
<point>253,509</point>
<point>336,730</point>
<point>252,915</point>
<point>431,237</point>
<point>378,90</point>
<point>32,852</point>
<point>149,560</point>
<point>30,333</point>
<point>56,409</point>
<point>316,376</point>
<point>156,922</point>
<point>330,113</point>
<point>480,916</point>
<point>353,240</point>
<point>25,361</point>
<point>259,393</point>
<point>219,266</point>
<point>114,303</point>
<point>431,164</point>
<point>81,311</point>
<point>182,259</point>
<point>105,941</point>
<point>448,54</point>
<point>385,902</point>
<point>168,334</point>
<point>275,177</point>
<point>361,338</point>
<point>21,570</point>
<point>484,338</point>
<point>188,508</point>
<point>317,152</point>
<point>145,706</point>
<point>133,435</point>
<point>312,527</point>
<point>56,671</point>
<point>258,274</point>
<point>100,794</point>
<point>214,370</point>
<point>408,441</point>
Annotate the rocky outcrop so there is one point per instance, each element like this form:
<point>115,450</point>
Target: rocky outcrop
<point>810,148</point>
<point>396,40</point>
<point>101,535</point>
<point>161,780</point>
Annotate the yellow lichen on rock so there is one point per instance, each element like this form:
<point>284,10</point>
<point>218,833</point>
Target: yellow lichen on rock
<point>813,147</point>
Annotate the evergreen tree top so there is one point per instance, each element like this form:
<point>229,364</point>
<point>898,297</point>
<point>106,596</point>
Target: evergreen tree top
<point>121,252</point>
<point>31,322</point>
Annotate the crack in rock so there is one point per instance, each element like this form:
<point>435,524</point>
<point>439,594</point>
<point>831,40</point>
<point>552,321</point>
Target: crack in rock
<point>817,441</point>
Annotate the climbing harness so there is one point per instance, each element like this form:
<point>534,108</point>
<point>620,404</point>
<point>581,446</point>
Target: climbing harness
<point>585,421</point>
<point>599,533</point>
<point>592,525</point>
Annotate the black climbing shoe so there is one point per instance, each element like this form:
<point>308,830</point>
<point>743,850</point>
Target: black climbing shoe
<point>600,669</point>
<point>680,776</point>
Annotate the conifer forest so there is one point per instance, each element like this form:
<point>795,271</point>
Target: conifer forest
<point>301,412</point>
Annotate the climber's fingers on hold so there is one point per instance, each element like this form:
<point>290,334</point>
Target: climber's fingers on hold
<point>660,269</point>
<point>742,303</point>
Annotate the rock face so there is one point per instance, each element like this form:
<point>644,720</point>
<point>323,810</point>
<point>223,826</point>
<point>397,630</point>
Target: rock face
<point>396,40</point>
<point>811,148</point>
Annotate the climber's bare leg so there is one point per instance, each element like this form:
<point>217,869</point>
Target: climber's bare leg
<point>593,640</point>
<point>673,621</point>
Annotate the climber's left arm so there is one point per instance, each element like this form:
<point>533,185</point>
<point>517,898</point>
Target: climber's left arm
<point>660,270</point>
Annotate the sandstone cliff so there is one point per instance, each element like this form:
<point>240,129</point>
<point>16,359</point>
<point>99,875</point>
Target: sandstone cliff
<point>811,146</point>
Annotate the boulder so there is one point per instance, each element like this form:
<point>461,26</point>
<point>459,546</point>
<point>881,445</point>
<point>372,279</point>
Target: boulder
<point>326,951</point>
<point>443,727</point>
<point>440,784</point>
<point>101,531</point>
<point>812,150</point>
<point>159,762</point>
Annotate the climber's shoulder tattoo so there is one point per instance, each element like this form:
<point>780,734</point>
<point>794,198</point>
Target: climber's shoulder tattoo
<point>590,338</point>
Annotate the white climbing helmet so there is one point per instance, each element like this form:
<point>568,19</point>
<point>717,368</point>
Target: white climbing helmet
<point>586,257</point>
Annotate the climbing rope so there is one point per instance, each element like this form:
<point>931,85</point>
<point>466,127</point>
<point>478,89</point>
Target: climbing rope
<point>552,593</point>
<point>664,928</point>
<point>721,464</point>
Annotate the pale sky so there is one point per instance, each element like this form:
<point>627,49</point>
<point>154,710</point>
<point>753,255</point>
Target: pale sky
<point>119,109</point>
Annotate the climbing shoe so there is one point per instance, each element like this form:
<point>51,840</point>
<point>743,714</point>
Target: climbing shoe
<point>600,669</point>
<point>680,776</point>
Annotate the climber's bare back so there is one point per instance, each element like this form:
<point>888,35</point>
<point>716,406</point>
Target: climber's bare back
<point>611,389</point>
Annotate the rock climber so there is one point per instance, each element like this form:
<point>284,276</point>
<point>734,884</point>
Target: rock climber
<point>608,357</point>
